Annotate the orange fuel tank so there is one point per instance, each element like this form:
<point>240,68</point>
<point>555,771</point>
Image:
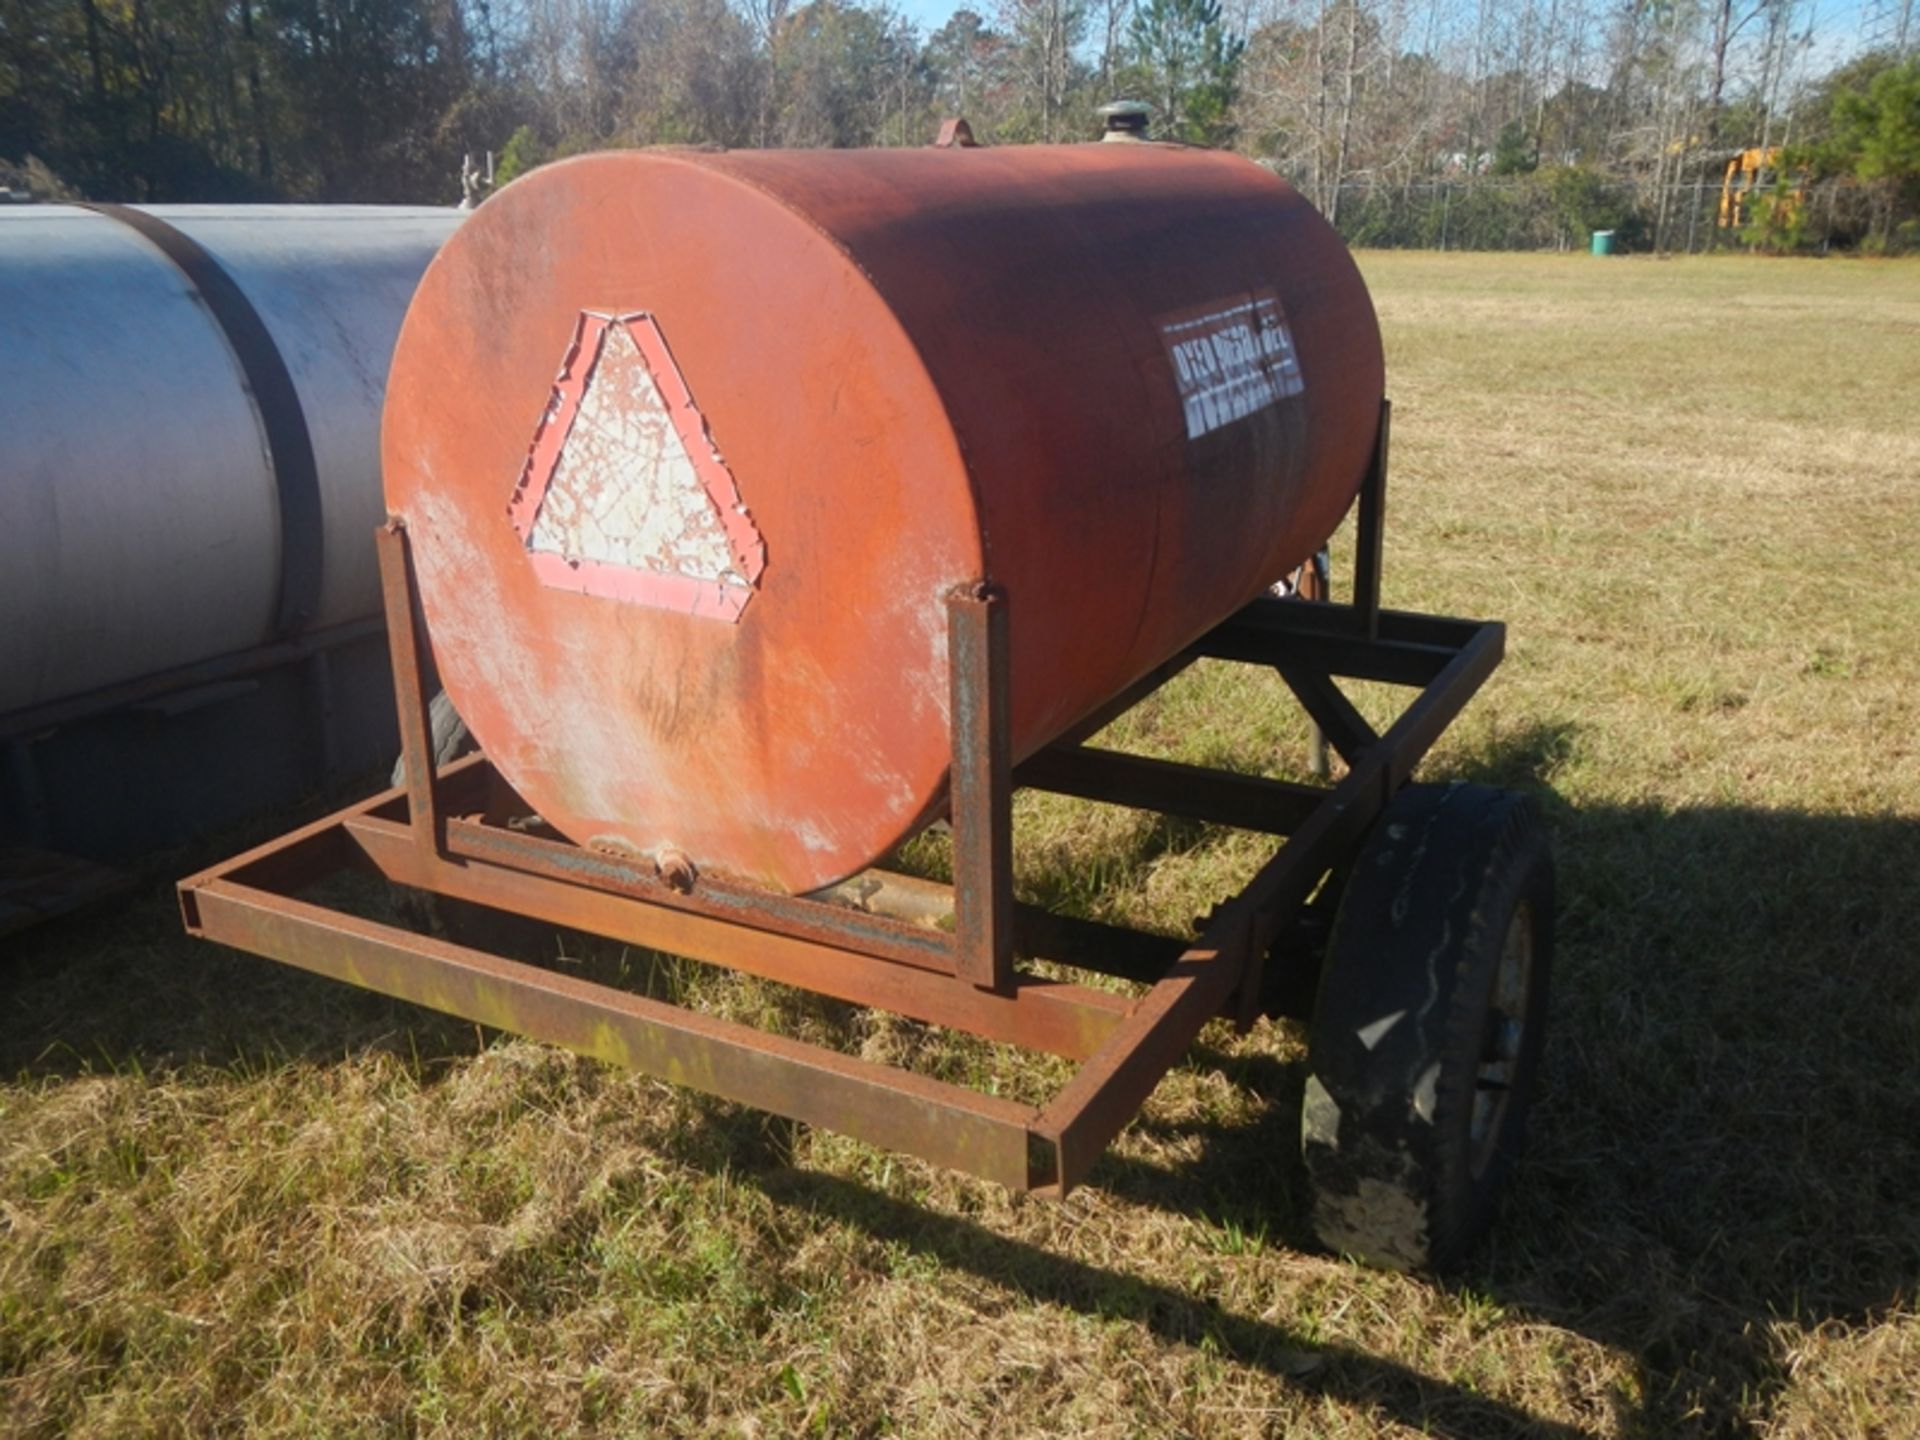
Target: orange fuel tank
<point>693,446</point>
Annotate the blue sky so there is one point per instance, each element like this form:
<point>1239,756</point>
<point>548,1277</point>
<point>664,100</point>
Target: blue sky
<point>1837,24</point>
<point>929,15</point>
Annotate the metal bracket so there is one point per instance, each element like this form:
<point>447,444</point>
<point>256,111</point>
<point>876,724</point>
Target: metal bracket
<point>982,785</point>
<point>410,693</point>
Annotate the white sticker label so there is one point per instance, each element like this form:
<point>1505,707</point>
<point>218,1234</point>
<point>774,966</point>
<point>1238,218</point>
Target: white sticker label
<point>1231,361</point>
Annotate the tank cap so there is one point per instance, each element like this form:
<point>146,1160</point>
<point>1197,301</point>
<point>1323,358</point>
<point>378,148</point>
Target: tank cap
<point>1125,119</point>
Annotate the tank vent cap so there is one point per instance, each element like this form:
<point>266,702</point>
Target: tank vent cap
<point>1125,120</point>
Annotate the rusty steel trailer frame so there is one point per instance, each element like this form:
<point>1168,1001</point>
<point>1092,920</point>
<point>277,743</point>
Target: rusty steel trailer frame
<point>868,940</point>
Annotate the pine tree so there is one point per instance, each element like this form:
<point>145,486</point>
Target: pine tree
<point>1192,62</point>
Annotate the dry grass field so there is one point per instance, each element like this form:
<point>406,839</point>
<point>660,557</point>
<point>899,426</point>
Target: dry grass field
<point>234,1199</point>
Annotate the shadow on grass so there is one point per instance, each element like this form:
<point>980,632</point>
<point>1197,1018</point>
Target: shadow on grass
<point>1383,1387</point>
<point>123,987</point>
<point>1727,1139</point>
<point>1728,1135</point>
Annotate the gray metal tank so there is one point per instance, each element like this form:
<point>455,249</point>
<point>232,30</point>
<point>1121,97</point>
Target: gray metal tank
<point>190,617</point>
<point>145,517</point>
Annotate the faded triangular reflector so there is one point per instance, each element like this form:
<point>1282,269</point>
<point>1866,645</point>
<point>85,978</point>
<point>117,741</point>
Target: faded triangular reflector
<point>624,493</point>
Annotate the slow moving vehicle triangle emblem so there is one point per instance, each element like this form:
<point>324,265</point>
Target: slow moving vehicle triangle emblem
<point>625,494</point>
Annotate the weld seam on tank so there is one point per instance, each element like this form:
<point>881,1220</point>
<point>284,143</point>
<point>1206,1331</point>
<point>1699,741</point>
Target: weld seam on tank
<point>275,400</point>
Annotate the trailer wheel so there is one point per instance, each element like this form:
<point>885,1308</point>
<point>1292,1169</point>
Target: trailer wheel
<point>1427,1030</point>
<point>447,733</point>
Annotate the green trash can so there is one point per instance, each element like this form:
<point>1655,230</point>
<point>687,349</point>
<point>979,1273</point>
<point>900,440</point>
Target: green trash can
<point>1603,242</point>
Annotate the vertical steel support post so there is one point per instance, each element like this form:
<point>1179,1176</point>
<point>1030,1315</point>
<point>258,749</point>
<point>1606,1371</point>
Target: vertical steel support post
<point>409,688</point>
<point>1317,584</point>
<point>982,786</point>
<point>1369,527</point>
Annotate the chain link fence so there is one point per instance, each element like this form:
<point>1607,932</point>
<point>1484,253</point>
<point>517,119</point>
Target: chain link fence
<point>1560,210</point>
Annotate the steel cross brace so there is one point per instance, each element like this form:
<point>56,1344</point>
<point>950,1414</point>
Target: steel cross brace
<point>880,940</point>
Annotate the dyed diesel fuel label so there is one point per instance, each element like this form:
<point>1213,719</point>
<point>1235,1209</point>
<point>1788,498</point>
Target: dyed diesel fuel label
<point>1231,360</point>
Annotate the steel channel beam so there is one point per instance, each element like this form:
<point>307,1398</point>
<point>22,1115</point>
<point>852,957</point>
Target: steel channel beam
<point>1052,1016</point>
<point>819,921</point>
<point>1248,802</point>
<point>1416,643</point>
<point>1254,640</point>
<point>1277,895</point>
<point>1369,530</point>
<point>405,649</point>
<point>946,1124</point>
<point>1109,1089</point>
<point>291,861</point>
<point>982,785</point>
<point>1316,584</point>
<point>1412,627</point>
<point>1343,725</point>
<point>1412,735</point>
<point>1093,946</point>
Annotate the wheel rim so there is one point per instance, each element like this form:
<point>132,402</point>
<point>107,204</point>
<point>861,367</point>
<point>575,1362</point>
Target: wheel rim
<point>1496,1074</point>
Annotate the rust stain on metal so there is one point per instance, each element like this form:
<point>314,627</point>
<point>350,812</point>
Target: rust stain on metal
<point>890,962</point>
<point>676,870</point>
<point>924,371</point>
<point>994,535</point>
<point>979,642</point>
<point>941,1122</point>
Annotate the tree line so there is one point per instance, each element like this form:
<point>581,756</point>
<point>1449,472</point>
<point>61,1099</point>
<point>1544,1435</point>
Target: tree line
<point>1451,122</point>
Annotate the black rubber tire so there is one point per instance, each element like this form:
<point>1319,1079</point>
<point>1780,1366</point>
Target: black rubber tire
<point>1410,1050</point>
<point>446,729</point>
